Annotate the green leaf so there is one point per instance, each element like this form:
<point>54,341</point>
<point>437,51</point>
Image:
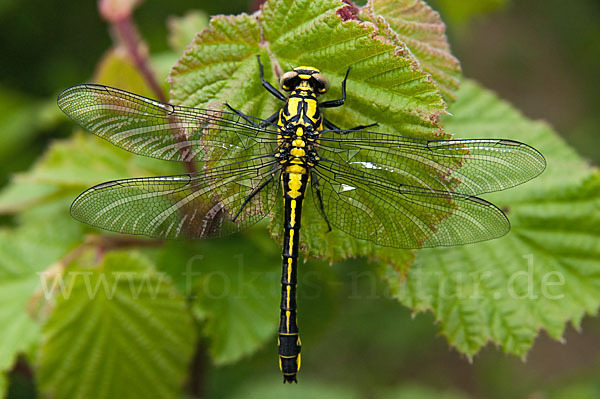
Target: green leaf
<point>383,85</point>
<point>17,283</point>
<point>16,120</point>
<point>235,287</point>
<point>22,120</point>
<point>414,24</point>
<point>543,274</point>
<point>121,328</point>
<point>72,165</point>
<point>182,30</point>
<point>220,65</point>
<point>216,64</point>
<point>24,254</point>
<point>117,69</point>
<point>21,194</point>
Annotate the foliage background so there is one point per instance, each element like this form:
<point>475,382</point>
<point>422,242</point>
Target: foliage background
<point>541,57</point>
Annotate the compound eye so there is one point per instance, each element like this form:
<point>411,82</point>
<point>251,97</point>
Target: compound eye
<point>321,82</point>
<point>288,80</point>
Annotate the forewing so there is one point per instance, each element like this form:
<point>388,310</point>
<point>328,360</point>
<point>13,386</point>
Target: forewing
<point>198,205</point>
<point>463,166</point>
<point>160,130</point>
<point>372,208</point>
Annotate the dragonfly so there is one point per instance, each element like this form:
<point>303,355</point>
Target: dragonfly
<point>392,190</point>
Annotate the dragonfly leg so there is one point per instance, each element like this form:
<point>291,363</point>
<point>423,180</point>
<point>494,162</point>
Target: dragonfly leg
<point>268,85</point>
<point>251,195</point>
<point>331,126</point>
<point>241,114</point>
<point>315,184</point>
<point>339,102</point>
<point>269,121</point>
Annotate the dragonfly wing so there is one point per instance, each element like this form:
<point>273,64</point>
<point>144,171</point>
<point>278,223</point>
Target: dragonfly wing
<point>195,205</point>
<point>464,166</point>
<point>160,130</point>
<point>372,208</point>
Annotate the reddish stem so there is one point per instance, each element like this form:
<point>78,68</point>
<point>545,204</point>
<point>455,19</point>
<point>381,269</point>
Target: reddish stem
<point>130,37</point>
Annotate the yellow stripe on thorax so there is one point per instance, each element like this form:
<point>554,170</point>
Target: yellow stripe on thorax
<point>312,108</point>
<point>292,106</point>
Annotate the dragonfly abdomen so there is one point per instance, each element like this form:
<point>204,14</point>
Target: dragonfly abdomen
<point>294,185</point>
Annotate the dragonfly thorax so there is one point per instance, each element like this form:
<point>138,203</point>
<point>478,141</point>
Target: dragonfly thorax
<point>300,119</point>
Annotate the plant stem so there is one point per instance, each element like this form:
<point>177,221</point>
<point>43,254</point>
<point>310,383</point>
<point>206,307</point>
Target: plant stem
<point>197,371</point>
<point>128,34</point>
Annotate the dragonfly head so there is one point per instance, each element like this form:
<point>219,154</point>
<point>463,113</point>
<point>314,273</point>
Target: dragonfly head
<point>304,77</point>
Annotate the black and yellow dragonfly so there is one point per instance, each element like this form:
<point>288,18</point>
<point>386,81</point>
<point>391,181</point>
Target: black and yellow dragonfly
<point>392,190</point>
